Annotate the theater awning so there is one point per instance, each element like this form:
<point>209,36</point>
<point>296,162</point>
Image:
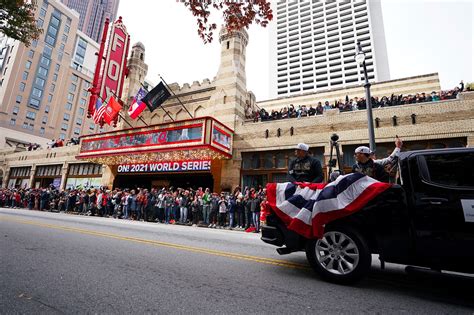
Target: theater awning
<point>202,138</point>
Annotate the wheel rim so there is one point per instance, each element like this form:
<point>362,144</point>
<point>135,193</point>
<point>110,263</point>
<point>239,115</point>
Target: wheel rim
<point>337,253</point>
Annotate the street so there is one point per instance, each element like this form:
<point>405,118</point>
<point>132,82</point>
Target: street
<point>61,263</point>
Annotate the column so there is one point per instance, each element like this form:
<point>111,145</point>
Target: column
<point>216,171</point>
<point>470,141</point>
<point>6,178</point>
<point>32,176</point>
<point>63,176</point>
<point>108,176</point>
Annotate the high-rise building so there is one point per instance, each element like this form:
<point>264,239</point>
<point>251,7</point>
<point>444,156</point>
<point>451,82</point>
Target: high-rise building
<point>313,44</point>
<point>43,88</point>
<point>92,15</point>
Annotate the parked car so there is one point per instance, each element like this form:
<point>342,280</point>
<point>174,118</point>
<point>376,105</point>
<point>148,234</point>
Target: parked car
<point>426,219</point>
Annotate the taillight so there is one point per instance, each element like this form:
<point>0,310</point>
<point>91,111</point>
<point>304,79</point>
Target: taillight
<point>264,212</point>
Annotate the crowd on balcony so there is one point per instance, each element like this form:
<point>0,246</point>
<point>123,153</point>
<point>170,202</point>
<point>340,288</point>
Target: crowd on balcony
<point>352,104</point>
<point>239,210</point>
<point>61,143</point>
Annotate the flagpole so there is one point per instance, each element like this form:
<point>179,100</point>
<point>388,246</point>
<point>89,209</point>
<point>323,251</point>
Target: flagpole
<point>175,95</point>
<point>167,113</point>
<point>141,119</point>
<point>123,118</point>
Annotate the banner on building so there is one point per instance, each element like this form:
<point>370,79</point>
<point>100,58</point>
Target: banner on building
<point>157,167</point>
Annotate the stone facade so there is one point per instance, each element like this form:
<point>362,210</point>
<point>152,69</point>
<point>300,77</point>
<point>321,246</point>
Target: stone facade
<point>226,99</point>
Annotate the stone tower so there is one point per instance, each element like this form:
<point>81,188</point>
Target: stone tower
<point>138,70</point>
<point>228,102</point>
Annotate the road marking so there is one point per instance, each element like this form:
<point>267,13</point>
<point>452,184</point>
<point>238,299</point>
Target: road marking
<point>262,260</point>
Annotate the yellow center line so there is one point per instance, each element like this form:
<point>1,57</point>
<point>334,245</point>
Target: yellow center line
<point>257,259</point>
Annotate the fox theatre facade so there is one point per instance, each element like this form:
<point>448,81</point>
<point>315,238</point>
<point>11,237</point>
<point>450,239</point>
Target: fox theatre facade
<point>184,154</point>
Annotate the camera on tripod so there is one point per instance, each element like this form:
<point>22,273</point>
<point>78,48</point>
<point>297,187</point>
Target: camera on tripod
<point>335,161</point>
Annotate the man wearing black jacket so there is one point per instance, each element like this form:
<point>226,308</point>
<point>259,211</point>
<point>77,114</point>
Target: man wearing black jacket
<point>305,168</point>
<point>365,165</point>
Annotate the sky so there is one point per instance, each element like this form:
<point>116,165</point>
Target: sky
<point>422,36</point>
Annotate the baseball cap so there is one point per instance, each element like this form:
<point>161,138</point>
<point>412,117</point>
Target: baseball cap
<point>362,149</point>
<point>302,146</point>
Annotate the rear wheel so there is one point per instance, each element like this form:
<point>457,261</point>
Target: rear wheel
<point>340,256</point>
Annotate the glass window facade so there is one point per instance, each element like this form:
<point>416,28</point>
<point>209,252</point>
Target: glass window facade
<point>80,51</point>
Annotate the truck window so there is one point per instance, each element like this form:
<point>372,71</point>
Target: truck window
<point>452,169</point>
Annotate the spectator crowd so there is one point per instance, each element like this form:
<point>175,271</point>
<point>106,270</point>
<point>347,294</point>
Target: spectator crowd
<point>351,104</point>
<point>237,210</point>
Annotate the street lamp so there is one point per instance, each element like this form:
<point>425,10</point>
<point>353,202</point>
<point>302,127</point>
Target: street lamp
<point>360,59</point>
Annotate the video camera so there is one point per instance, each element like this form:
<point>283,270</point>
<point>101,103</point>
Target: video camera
<point>335,161</point>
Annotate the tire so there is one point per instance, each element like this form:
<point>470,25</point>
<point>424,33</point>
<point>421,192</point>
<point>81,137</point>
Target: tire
<point>340,256</point>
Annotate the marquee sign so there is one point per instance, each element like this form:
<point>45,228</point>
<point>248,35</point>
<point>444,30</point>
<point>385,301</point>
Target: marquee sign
<point>197,139</point>
<point>174,136</point>
<point>113,73</point>
<point>156,167</point>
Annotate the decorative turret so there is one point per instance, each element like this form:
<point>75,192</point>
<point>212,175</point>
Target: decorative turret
<point>230,81</point>
<point>138,70</point>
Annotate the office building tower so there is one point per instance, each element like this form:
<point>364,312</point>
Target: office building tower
<point>313,44</point>
<point>43,88</point>
<point>92,15</point>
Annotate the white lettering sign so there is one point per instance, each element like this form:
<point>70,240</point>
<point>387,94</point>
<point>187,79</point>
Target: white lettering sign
<point>155,167</point>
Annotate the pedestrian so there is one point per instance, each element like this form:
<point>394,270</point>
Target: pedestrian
<point>183,210</point>
<point>125,206</point>
<point>140,198</point>
<point>255,210</point>
<point>206,206</point>
<point>195,210</point>
<point>132,201</point>
<point>93,202</point>
<point>232,208</point>
<point>44,200</point>
<point>239,210</point>
<point>160,206</point>
<point>214,210</point>
<point>85,202</point>
<point>222,212</point>
<point>168,207</point>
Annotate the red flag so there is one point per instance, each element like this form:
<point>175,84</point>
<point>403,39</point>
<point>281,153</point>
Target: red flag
<point>112,110</point>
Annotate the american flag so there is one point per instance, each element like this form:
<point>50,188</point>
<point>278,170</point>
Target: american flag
<point>99,111</point>
<point>306,207</point>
